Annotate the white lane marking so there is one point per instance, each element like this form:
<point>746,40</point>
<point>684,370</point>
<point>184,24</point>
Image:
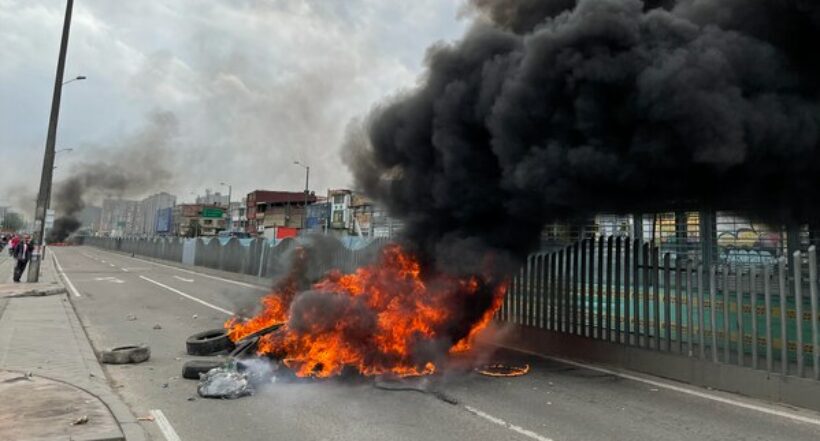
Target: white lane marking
<point>109,279</point>
<point>184,279</point>
<point>502,423</point>
<point>685,390</point>
<point>65,276</point>
<point>111,265</point>
<point>102,261</point>
<point>125,270</point>
<point>221,279</point>
<point>188,296</point>
<point>165,425</point>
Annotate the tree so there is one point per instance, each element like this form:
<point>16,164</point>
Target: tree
<point>13,222</point>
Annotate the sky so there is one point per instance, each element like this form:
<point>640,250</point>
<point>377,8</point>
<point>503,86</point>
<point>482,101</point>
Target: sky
<point>192,93</point>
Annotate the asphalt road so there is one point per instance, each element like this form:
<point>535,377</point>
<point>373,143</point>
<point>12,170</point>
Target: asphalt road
<point>555,401</point>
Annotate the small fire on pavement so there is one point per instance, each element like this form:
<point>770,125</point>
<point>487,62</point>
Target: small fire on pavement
<point>383,319</point>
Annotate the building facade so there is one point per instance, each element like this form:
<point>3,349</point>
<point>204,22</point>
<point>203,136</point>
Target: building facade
<point>119,217</point>
<point>193,220</point>
<point>267,210</point>
<point>149,210</point>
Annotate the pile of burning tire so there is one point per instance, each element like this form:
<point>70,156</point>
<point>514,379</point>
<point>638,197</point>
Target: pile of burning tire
<point>216,342</point>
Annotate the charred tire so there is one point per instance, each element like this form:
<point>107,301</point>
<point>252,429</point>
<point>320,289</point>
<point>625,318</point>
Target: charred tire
<point>209,342</point>
<point>194,368</point>
<point>244,347</point>
<point>126,355</point>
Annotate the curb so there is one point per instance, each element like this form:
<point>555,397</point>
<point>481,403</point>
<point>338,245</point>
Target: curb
<point>36,293</point>
<point>130,426</point>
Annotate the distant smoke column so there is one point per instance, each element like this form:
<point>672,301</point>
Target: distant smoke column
<point>610,105</point>
<point>136,164</point>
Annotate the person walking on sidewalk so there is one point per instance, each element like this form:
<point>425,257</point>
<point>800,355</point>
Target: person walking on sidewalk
<point>22,252</point>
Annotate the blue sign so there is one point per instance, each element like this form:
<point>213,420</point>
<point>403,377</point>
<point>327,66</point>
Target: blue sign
<point>164,220</point>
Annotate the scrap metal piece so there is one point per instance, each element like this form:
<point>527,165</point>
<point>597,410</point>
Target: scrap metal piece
<point>225,382</point>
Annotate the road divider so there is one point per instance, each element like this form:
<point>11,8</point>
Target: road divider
<point>187,296</point>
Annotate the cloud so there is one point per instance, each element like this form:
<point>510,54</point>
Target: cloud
<point>254,84</point>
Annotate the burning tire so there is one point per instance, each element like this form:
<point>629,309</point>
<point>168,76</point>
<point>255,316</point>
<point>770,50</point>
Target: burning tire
<point>193,368</point>
<point>126,355</point>
<point>209,342</point>
<point>244,346</point>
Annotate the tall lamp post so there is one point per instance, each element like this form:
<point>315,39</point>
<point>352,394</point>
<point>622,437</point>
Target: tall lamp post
<point>307,181</point>
<point>230,216</point>
<point>48,201</point>
<point>48,157</point>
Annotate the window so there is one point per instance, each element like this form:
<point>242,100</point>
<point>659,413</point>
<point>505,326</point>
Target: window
<point>339,199</point>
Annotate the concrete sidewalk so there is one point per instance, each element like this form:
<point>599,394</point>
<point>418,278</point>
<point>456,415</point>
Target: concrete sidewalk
<point>48,365</point>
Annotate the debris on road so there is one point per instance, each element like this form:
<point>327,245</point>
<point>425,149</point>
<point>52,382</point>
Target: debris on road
<point>195,316</point>
<point>209,342</point>
<point>225,382</point>
<point>194,369</point>
<point>126,354</point>
<point>145,418</point>
<point>79,421</point>
<point>157,326</point>
<point>503,370</point>
<point>130,317</point>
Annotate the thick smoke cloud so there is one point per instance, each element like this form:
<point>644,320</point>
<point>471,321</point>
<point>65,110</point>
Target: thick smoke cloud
<point>610,105</point>
<point>140,163</point>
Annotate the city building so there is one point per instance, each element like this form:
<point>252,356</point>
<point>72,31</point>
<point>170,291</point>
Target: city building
<point>149,210</point>
<point>119,217</point>
<point>238,217</point>
<point>193,220</point>
<point>339,200</point>
<point>215,198</point>
<point>318,216</point>
<point>269,210</point>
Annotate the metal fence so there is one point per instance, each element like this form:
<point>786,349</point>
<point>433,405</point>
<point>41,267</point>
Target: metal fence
<point>617,289</point>
<point>253,257</point>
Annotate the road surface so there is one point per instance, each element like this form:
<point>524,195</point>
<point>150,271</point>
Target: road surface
<point>120,299</point>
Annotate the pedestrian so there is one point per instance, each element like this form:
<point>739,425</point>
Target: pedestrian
<point>15,239</point>
<point>22,252</point>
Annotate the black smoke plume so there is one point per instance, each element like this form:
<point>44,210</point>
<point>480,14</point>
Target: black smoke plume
<point>138,163</point>
<point>551,110</point>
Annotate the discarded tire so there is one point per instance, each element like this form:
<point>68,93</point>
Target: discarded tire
<point>126,355</point>
<point>193,368</point>
<point>209,342</point>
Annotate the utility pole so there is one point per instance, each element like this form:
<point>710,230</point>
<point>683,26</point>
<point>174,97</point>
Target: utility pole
<point>48,159</point>
<point>307,182</point>
<point>230,215</point>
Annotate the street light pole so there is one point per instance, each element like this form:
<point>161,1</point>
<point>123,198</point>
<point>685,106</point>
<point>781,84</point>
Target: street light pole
<point>48,200</point>
<point>77,78</point>
<point>48,158</point>
<point>230,216</point>
<point>307,181</point>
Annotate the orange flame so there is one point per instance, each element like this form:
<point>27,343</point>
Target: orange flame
<point>383,318</point>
